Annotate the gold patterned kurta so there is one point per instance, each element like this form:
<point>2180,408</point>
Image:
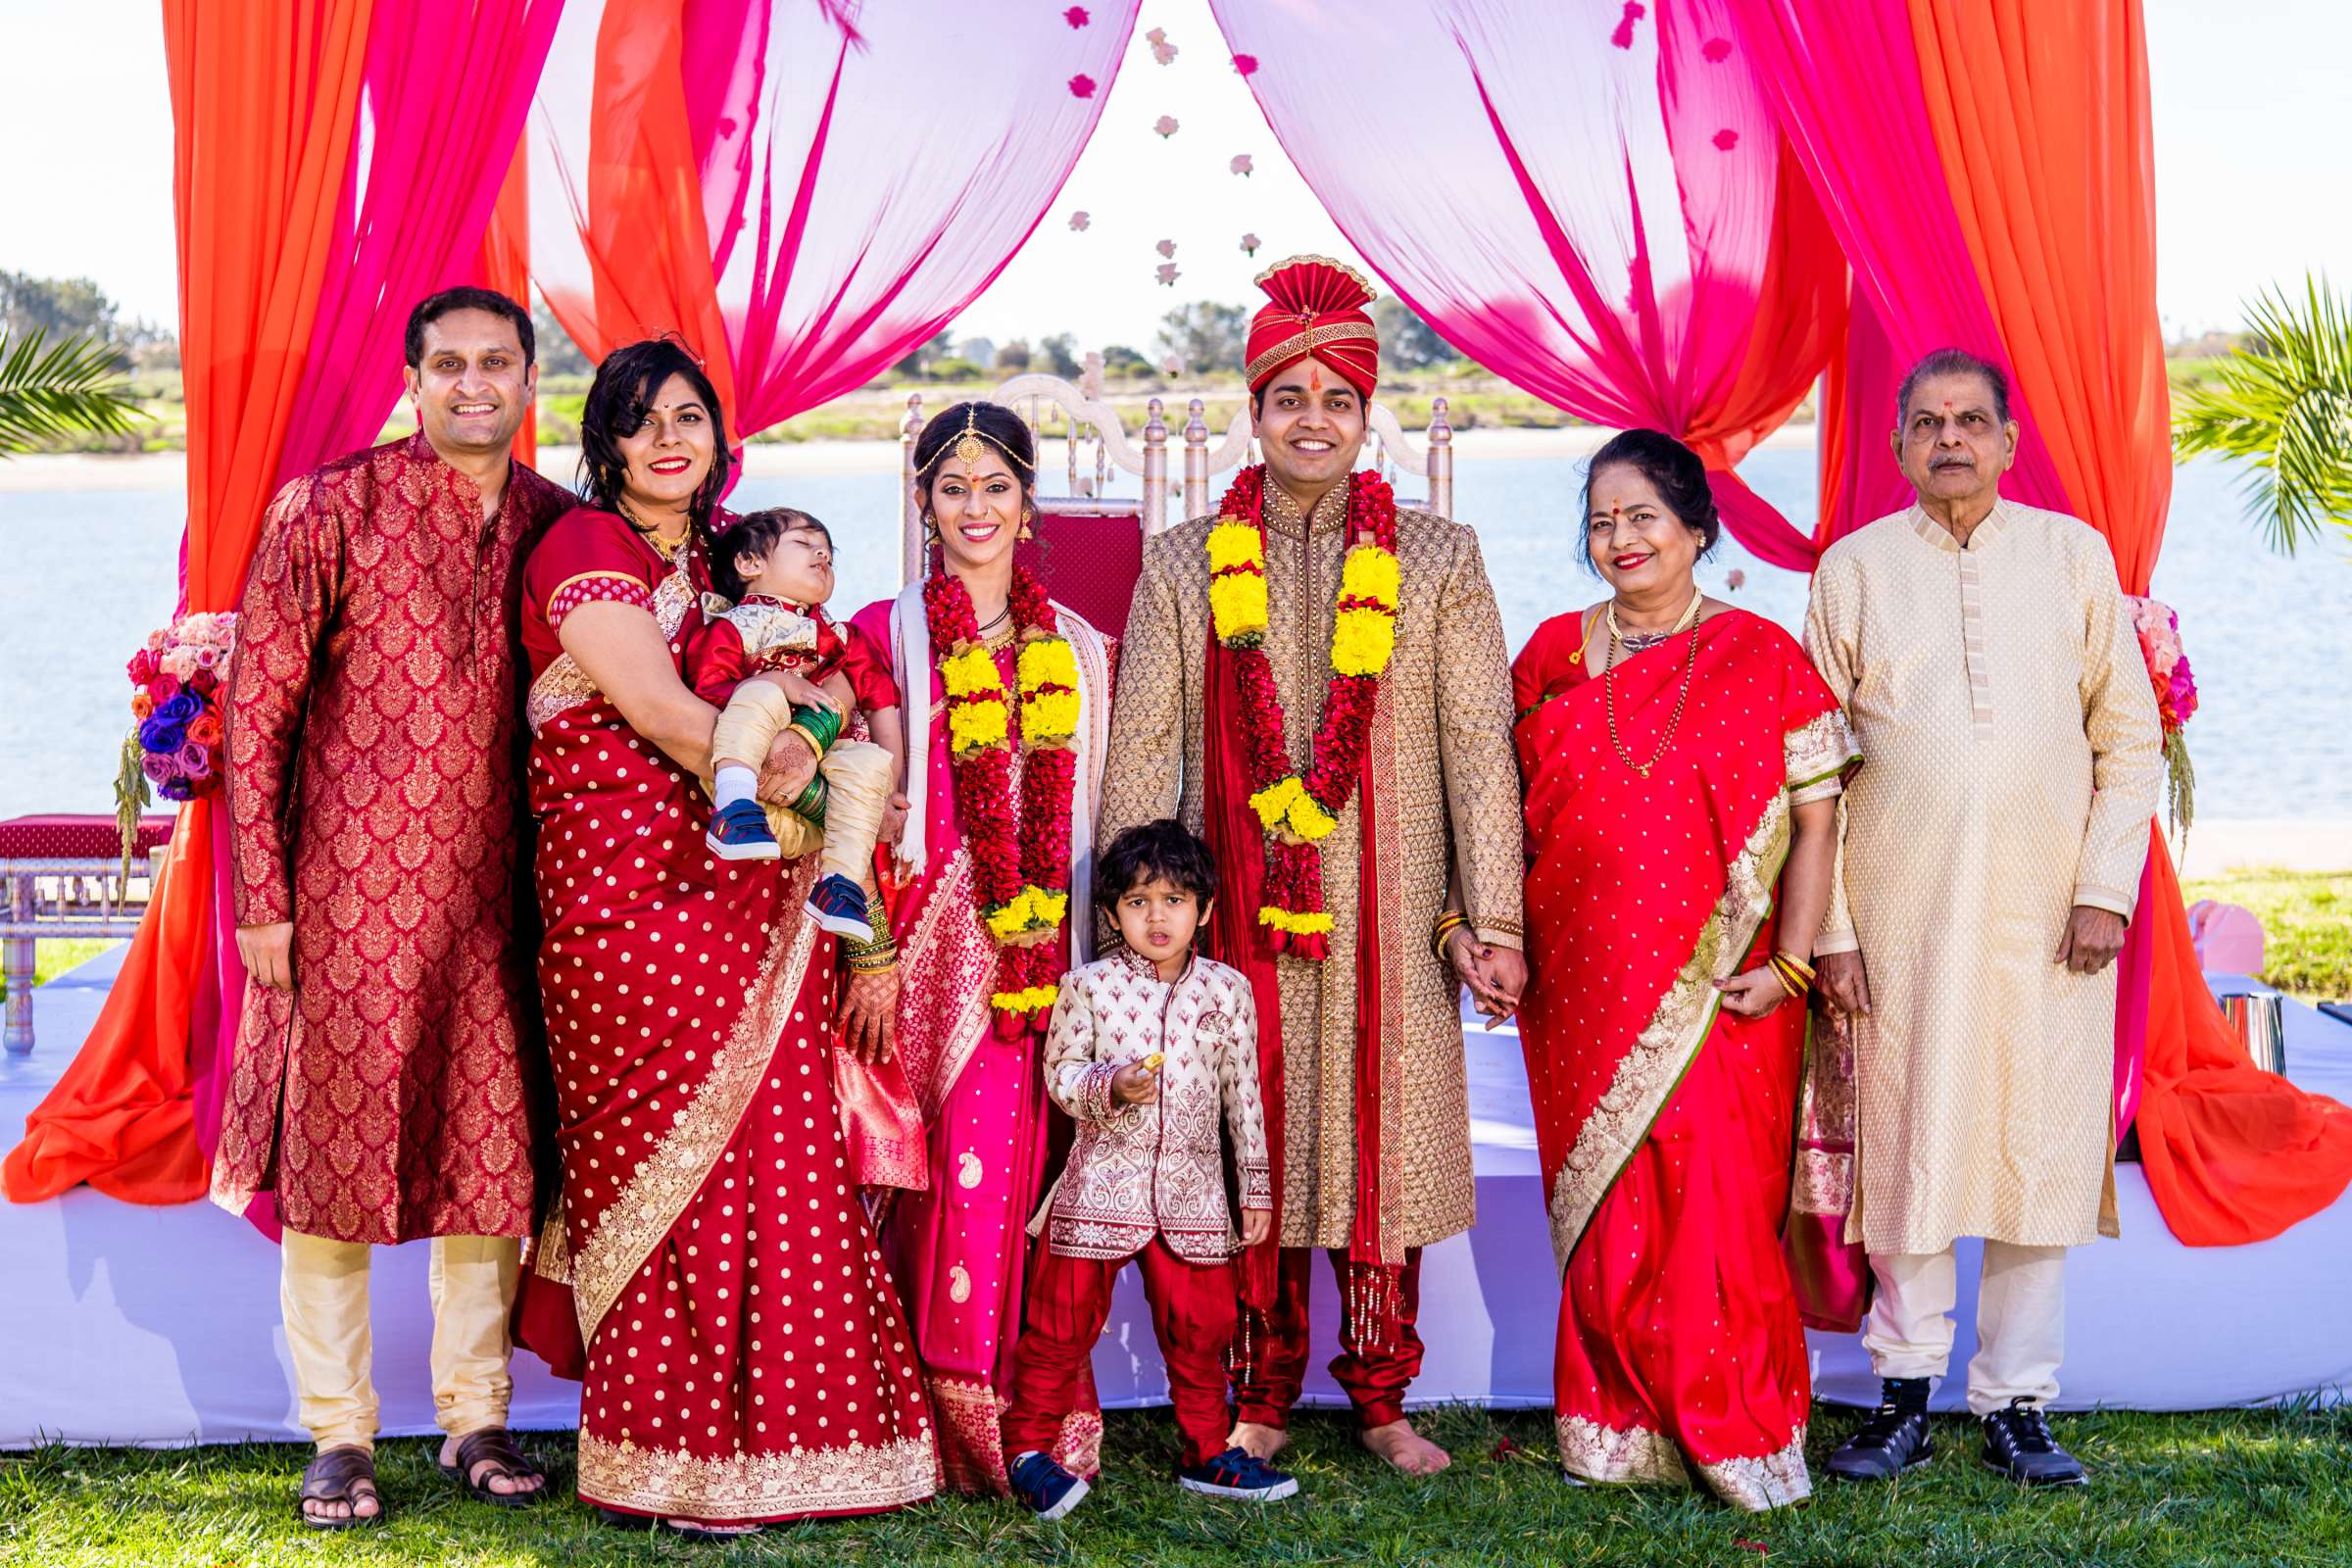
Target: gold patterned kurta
<point>2010,762</point>
<point>1449,790</point>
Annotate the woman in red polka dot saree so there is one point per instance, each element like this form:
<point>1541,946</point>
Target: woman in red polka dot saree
<point>710,1274</point>
<point>1676,753</point>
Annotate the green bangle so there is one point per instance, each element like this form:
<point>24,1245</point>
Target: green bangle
<point>823,724</point>
<point>809,805</point>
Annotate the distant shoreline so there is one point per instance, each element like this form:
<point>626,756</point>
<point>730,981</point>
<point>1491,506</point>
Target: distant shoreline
<point>766,460</point>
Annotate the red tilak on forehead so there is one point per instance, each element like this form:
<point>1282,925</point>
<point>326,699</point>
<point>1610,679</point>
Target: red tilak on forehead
<point>1314,379</point>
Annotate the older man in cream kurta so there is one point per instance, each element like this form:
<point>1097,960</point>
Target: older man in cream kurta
<point>1992,848</point>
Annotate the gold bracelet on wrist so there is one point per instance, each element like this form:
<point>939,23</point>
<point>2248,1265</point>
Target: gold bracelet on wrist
<point>816,747</point>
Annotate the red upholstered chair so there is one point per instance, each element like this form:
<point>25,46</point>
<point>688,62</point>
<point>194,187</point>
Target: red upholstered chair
<point>1088,546</point>
<point>61,878</point>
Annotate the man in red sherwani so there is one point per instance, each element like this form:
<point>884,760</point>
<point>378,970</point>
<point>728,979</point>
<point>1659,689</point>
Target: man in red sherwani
<point>374,783</point>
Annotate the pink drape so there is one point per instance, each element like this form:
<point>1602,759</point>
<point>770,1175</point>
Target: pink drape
<point>448,86</point>
<point>1845,77</point>
<point>1589,198</point>
<point>822,184</point>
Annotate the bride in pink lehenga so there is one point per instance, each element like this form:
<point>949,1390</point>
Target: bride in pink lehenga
<point>959,1247</point>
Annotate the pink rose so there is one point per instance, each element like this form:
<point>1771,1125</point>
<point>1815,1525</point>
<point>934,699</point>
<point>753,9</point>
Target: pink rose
<point>1165,124</point>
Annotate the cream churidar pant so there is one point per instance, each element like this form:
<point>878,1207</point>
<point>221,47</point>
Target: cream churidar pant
<point>2021,1321</point>
<point>323,1291</point>
<point>857,774</point>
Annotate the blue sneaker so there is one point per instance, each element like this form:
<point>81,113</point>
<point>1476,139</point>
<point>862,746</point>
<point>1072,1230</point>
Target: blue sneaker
<point>739,832</point>
<point>838,905</point>
<point>1045,1487</point>
<point>1238,1473</point>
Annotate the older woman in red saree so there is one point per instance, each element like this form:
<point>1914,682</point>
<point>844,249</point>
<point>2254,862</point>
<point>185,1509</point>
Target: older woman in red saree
<point>742,1352</point>
<point>1681,759</point>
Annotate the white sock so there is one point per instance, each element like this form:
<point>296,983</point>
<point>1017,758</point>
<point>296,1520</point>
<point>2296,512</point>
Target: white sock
<point>733,782</point>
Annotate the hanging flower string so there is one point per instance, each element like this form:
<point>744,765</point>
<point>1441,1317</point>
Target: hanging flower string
<point>1020,848</point>
<point>177,743</point>
<point>2158,626</point>
<point>1301,810</point>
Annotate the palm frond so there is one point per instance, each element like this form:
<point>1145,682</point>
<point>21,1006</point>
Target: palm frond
<point>2283,406</point>
<point>59,388</point>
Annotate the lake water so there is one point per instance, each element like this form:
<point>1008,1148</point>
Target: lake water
<point>2271,638</point>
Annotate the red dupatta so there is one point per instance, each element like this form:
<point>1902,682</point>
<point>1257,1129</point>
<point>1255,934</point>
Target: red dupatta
<point>1235,937</point>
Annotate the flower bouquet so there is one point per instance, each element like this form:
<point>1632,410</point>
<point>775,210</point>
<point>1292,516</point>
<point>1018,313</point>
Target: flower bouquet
<point>175,747</point>
<point>2158,629</point>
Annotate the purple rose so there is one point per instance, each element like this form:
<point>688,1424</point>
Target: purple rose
<point>161,736</point>
<point>195,761</point>
<point>181,706</point>
<point>160,768</point>
<point>175,789</point>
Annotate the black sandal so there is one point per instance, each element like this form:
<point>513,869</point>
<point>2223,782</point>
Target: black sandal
<point>495,1446</point>
<point>646,1521</point>
<point>343,1475</point>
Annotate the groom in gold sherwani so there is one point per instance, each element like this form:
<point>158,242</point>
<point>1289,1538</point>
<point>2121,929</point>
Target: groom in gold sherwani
<point>1366,1103</point>
<point>1992,848</point>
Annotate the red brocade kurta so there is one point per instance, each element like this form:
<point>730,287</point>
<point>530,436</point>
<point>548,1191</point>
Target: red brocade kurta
<point>1664,1124</point>
<point>375,786</point>
<point>742,1353</point>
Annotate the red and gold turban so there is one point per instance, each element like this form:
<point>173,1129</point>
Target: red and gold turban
<point>1316,308</point>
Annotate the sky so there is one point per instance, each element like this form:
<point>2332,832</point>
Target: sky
<point>2251,177</point>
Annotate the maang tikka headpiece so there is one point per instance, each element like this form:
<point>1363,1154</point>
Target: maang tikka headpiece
<point>970,449</point>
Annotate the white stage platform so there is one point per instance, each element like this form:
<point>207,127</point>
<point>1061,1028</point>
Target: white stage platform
<point>121,1324</point>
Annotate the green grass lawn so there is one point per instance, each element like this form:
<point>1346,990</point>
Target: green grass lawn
<point>2228,1486</point>
<point>2307,916</point>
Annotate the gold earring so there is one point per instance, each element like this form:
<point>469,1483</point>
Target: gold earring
<point>1027,533</point>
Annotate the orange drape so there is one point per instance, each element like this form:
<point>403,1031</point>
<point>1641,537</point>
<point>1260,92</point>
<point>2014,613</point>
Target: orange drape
<point>2043,126</point>
<point>504,263</point>
<point>2044,133</point>
<point>263,98</point>
<point>648,243</point>
<point>2234,1153</point>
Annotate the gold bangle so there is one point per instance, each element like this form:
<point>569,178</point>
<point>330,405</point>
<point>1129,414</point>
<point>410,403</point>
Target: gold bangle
<point>1794,962</point>
<point>1791,981</point>
<point>816,749</point>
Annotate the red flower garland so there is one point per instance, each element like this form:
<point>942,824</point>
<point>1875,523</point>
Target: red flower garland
<point>1293,867</point>
<point>1005,860</point>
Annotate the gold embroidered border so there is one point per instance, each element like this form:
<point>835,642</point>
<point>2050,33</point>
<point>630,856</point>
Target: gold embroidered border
<point>969,1418</point>
<point>1307,342</point>
<point>1778,1479</point>
<point>1823,1178</point>
<point>1816,753</point>
<point>601,573</point>
<point>669,1482</point>
<point>1609,1456</point>
<point>657,1193</point>
<point>1666,1045</point>
<point>551,1259</point>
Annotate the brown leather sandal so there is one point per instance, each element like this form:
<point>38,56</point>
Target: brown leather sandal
<point>495,1446</point>
<point>344,1475</point>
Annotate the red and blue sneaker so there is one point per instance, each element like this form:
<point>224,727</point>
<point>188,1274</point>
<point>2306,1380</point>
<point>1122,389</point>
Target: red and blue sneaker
<point>838,905</point>
<point>1045,1487</point>
<point>739,832</point>
<point>1238,1473</point>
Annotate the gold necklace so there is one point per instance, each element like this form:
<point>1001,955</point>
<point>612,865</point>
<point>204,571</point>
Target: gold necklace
<point>1687,622</point>
<point>1683,622</point>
